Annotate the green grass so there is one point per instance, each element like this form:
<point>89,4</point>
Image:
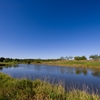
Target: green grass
<point>74,63</point>
<point>23,89</point>
<point>7,63</point>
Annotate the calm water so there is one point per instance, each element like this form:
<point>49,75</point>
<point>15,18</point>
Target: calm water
<point>79,77</point>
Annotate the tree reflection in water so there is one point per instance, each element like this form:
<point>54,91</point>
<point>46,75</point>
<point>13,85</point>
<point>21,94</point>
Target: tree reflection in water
<point>96,72</point>
<point>1,68</point>
<point>81,71</point>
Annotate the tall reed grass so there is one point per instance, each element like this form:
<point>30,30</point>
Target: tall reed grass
<point>24,89</point>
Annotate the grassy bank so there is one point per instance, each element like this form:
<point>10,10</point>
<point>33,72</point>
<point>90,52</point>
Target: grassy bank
<point>73,63</point>
<point>8,63</point>
<point>14,89</point>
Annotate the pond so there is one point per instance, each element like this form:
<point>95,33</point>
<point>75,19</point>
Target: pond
<point>68,76</point>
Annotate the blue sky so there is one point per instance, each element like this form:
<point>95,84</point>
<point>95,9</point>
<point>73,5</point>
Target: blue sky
<point>49,28</point>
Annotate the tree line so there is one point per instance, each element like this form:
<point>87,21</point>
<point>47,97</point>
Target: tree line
<point>28,61</point>
<point>91,57</point>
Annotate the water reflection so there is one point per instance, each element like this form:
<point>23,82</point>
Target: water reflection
<point>56,69</point>
<point>14,66</point>
<point>1,68</point>
<point>96,72</point>
<point>81,71</point>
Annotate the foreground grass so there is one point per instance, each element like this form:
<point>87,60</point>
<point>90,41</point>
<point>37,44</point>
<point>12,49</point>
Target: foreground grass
<point>74,63</point>
<point>14,89</point>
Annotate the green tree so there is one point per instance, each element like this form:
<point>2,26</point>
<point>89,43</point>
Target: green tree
<point>80,58</point>
<point>2,59</point>
<point>76,58</point>
<point>83,58</point>
<point>95,57</point>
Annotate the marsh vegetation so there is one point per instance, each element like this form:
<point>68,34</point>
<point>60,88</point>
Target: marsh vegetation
<point>23,89</point>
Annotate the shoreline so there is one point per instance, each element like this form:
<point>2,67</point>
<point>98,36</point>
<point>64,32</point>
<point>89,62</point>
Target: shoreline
<point>81,64</point>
